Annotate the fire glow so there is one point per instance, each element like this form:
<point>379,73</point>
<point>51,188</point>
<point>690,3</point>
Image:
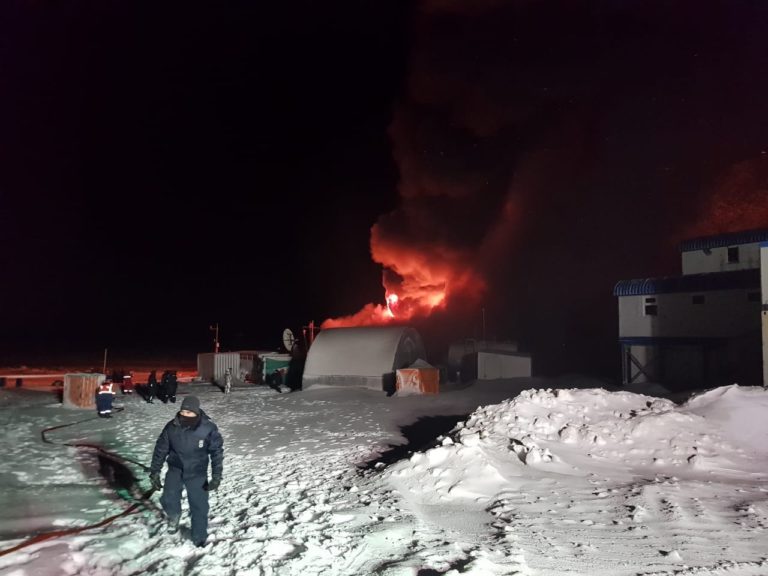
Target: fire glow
<point>416,283</point>
<point>738,202</point>
<point>392,300</point>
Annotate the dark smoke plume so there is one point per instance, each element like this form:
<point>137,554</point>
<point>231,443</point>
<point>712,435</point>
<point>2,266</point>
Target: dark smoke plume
<point>548,149</point>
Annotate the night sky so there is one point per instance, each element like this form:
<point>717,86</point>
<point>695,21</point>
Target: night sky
<point>166,166</point>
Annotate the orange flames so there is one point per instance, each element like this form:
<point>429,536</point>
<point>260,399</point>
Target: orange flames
<point>425,271</point>
<point>392,301</point>
<point>416,281</point>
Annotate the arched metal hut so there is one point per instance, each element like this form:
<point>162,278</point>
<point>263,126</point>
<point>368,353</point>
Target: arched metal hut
<point>363,356</point>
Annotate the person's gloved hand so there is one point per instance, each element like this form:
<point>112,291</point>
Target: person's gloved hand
<point>212,484</point>
<point>154,478</point>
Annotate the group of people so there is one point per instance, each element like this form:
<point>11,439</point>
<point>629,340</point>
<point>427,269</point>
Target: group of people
<point>165,390</point>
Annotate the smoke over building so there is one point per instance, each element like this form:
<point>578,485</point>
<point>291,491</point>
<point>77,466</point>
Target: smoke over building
<point>547,149</point>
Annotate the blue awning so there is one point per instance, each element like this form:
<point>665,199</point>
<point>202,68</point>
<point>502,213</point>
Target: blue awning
<point>721,240</point>
<point>738,279</point>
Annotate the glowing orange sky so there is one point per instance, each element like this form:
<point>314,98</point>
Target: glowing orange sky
<point>739,201</point>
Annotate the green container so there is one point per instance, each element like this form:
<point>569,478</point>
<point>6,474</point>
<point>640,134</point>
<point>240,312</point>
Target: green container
<point>272,364</point>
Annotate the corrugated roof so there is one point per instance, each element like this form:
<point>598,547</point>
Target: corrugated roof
<point>738,279</point>
<point>363,351</point>
<point>731,239</point>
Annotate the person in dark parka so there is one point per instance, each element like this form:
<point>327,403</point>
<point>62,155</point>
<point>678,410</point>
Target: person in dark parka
<point>162,388</point>
<point>173,382</point>
<point>187,443</point>
<point>151,386</point>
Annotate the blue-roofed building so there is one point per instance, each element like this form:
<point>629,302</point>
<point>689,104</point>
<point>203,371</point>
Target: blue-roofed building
<point>707,327</point>
<point>723,253</point>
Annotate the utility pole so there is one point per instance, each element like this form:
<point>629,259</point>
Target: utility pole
<point>104,367</point>
<point>215,329</point>
<point>309,334</point>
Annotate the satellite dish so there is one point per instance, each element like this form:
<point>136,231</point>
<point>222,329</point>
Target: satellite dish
<point>288,339</point>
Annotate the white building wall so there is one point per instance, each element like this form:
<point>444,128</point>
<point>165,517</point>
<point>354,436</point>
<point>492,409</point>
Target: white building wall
<point>491,366</point>
<point>764,301</point>
<point>697,261</point>
<point>724,314</point>
<point>458,350</point>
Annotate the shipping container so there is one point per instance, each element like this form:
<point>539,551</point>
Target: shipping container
<point>212,366</point>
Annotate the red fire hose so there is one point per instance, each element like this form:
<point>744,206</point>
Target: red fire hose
<point>58,533</point>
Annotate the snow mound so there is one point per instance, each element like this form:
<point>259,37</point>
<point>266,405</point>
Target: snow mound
<point>738,411</point>
<point>578,432</point>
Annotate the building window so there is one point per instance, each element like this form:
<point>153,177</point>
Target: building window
<point>650,308</point>
<point>733,255</point>
<point>698,299</point>
<point>753,296</point>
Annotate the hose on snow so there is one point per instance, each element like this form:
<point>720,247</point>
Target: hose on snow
<point>106,453</point>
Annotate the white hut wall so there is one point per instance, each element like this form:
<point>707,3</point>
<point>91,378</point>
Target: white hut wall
<point>491,366</point>
<point>362,356</point>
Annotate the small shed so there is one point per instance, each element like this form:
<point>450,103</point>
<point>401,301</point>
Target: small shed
<point>365,356</point>
<point>80,389</point>
<point>418,378</point>
<point>460,354</point>
<point>494,365</point>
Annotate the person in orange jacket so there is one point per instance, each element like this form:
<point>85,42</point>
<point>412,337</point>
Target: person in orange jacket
<point>126,386</point>
<point>104,397</point>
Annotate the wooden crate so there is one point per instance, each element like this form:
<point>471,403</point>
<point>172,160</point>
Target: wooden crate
<point>80,389</point>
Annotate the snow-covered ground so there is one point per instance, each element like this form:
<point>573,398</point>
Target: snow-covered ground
<point>532,480</point>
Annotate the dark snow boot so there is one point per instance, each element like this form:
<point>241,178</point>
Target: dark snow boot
<point>173,525</point>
